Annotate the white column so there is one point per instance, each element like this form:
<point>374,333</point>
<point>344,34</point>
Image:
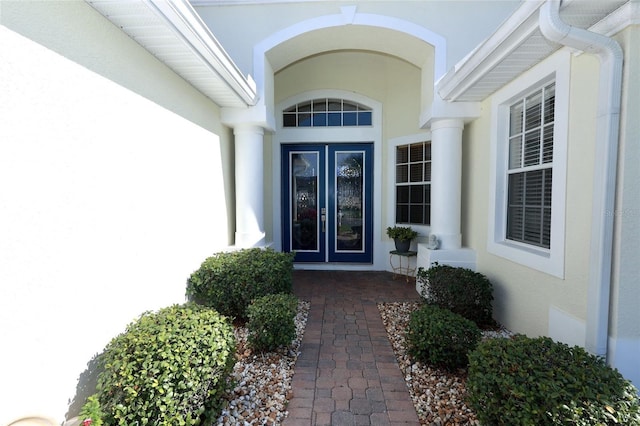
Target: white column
<point>446,181</point>
<point>249,164</point>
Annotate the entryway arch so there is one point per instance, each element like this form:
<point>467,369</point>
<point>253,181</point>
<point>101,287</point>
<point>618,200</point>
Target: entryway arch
<point>350,31</point>
<point>354,30</point>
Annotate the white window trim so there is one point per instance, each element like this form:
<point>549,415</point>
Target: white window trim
<point>550,261</point>
<point>329,133</point>
<point>391,178</point>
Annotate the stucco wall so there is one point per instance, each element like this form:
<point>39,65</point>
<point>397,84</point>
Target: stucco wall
<point>624,344</point>
<point>391,81</point>
<point>114,185</point>
<point>527,300</point>
<point>533,302</point>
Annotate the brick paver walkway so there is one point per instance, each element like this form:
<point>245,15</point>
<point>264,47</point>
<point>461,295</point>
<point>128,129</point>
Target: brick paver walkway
<point>346,373</point>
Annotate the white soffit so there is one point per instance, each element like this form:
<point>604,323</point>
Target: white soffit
<point>514,48</point>
<point>172,31</point>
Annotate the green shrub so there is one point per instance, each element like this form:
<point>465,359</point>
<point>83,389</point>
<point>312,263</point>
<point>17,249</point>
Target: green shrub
<point>272,321</point>
<point>440,337</point>
<point>167,368</point>
<point>524,381</point>
<point>229,281</point>
<point>460,290</point>
<point>91,413</point>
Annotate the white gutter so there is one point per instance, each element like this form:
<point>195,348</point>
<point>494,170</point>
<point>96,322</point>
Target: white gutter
<point>610,56</point>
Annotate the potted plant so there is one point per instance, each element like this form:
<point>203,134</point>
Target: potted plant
<point>402,236</point>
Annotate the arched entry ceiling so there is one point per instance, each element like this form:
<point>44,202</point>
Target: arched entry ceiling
<point>351,37</point>
<point>348,30</point>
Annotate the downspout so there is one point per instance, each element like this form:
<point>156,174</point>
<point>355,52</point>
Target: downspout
<point>610,56</point>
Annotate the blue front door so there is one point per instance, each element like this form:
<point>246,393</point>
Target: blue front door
<point>327,192</point>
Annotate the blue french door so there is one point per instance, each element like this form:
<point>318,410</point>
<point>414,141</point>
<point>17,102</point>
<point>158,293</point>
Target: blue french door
<point>327,192</point>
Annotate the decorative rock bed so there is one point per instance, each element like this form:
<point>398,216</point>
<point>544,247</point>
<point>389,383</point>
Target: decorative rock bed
<point>438,395</point>
<point>263,381</point>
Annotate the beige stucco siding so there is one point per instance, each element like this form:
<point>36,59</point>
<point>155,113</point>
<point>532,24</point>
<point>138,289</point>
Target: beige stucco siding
<point>115,183</point>
<point>527,300</point>
<point>627,254</point>
<point>625,329</point>
<point>388,80</point>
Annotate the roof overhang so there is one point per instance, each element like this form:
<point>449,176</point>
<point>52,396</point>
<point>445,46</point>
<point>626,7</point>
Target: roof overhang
<point>174,33</point>
<point>517,45</point>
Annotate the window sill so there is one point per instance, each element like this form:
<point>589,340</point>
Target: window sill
<point>537,258</point>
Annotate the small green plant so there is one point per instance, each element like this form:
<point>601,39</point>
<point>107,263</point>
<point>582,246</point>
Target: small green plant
<point>272,321</point>
<point>460,290</point>
<point>91,414</point>
<point>168,368</point>
<point>525,381</point>
<point>402,233</point>
<point>229,281</point>
<point>439,337</point>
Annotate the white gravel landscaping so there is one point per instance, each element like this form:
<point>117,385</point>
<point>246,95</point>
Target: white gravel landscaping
<point>262,382</point>
<point>438,395</point>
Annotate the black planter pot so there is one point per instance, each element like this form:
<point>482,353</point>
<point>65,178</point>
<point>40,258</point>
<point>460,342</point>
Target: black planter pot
<point>402,245</point>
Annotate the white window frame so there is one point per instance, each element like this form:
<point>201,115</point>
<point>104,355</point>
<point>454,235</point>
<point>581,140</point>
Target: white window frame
<point>391,178</point>
<point>550,261</point>
<point>410,183</point>
<point>326,110</point>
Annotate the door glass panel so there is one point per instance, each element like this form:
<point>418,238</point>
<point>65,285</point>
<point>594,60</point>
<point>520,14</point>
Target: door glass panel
<point>349,204</point>
<point>304,169</point>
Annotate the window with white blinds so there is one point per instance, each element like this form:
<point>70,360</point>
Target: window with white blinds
<point>530,171</point>
<point>413,183</point>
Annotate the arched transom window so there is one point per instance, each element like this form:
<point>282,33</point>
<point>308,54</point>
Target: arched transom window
<point>327,112</point>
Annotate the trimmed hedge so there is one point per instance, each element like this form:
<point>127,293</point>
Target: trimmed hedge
<point>525,381</point>
<point>440,337</point>
<point>167,368</point>
<point>229,281</point>
<point>272,321</point>
<point>460,290</point>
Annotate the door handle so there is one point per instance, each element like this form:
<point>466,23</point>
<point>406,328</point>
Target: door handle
<point>323,217</point>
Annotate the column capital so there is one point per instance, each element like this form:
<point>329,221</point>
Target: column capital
<point>256,115</point>
<point>251,128</point>
<point>443,110</point>
<point>446,123</point>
